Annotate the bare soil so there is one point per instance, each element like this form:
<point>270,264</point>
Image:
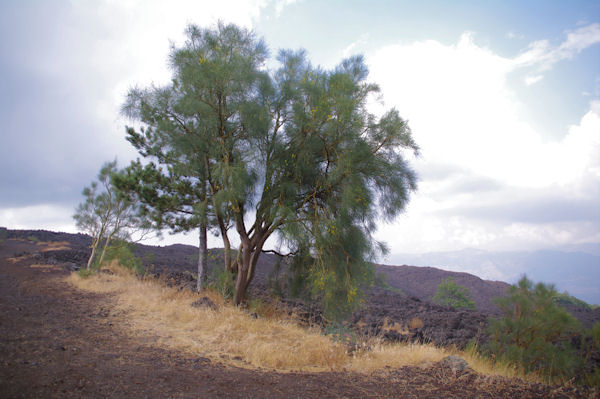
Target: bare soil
<point>56,341</point>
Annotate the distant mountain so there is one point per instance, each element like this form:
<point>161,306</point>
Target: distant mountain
<point>575,272</point>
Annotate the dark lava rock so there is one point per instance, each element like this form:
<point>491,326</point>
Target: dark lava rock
<point>205,302</point>
<point>407,319</point>
<point>78,257</point>
<point>457,364</point>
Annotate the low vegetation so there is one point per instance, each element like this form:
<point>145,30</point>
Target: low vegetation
<point>539,337</point>
<point>451,294</point>
<point>567,299</point>
<point>156,313</point>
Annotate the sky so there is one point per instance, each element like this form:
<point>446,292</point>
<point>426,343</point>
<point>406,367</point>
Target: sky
<point>502,97</point>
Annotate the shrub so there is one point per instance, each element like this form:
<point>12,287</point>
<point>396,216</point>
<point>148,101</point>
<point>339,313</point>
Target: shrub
<point>340,332</point>
<point>85,273</point>
<point>451,294</point>
<point>566,299</point>
<point>33,239</point>
<point>122,252</point>
<point>223,282</point>
<point>381,282</point>
<point>535,333</point>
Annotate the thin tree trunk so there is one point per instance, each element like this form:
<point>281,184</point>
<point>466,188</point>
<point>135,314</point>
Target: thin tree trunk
<point>202,257</point>
<point>91,259</point>
<point>106,243</point>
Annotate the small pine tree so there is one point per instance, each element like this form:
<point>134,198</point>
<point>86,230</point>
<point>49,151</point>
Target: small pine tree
<point>451,294</point>
<point>535,333</point>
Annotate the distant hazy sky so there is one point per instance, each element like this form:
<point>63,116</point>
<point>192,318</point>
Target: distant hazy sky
<point>502,96</point>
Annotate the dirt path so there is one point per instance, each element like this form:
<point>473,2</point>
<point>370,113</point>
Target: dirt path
<point>56,341</point>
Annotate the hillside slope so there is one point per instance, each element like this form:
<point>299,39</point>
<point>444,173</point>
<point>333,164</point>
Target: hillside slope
<point>418,283</point>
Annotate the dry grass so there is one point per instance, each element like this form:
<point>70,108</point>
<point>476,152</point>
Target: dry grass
<point>164,315</point>
<point>53,245</point>
<point>382,355</point>
<point>153,309</point>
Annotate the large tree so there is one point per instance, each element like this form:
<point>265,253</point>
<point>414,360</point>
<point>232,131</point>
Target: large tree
<point>293,154</point>
<point>189,126</point>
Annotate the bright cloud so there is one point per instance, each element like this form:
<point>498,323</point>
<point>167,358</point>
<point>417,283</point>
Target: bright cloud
<point>529,80</point>
<point>44,216</point>
<point>467,119</point>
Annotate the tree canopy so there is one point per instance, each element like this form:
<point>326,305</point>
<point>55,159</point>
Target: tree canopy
<point>292,154</point>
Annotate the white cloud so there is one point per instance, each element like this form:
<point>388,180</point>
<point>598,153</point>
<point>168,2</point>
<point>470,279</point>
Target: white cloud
<point>466,117</point>
<point>45,217</point>
<point>529,80</point>
<point>541,54</point>
<point>513,35</point>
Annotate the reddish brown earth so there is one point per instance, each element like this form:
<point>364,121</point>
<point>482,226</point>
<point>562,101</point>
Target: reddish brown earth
<point>56,341</point>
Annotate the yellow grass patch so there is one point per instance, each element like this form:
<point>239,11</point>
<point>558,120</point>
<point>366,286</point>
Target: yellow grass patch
<point>395,355</point>
<point>53,245</point>
<point>228,333</point>
<point>163,315</point>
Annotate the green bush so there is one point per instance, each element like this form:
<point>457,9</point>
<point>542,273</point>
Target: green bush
<point>223,281</point>
<point>451,294</point>
<point>566,299</point>
<point>380,281</point>
<point>589,347</point>
<point>535,333</point>
<point>123,252</point>
<point>340,332</point>
<point>85,273</point>
<point>33,239</point>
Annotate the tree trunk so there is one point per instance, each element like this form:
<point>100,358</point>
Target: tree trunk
<point>246,268</point>
<point>202,257</point>
<point>91,259</point>
<point>242,277</point>
<point>229,265</point>
<point>106,244</point>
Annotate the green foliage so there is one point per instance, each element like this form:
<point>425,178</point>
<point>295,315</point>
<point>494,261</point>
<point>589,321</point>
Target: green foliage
<point>535,333</point>
<point>122,252</point>
<point>33,239</point>
<point>107,213</point>
<point>274,280</point>
<point>451,294</point>
<point>292,153</point>
<point>149,258</point>
<point>340,332</point>
<point>566,299</point>
<point>591,373</point>
<point>380,281</point>
<point>85,273</point>
<point>223,281</point>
